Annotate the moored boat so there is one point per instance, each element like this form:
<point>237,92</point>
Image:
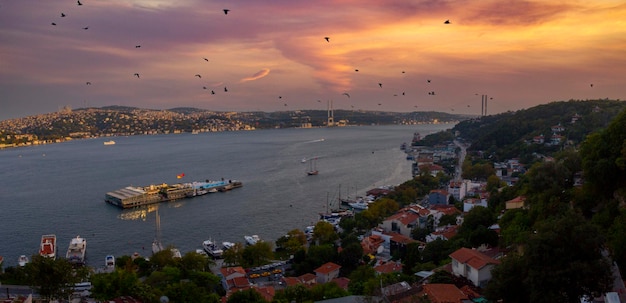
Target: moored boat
<point>212,249</point>
<point>48,247</point>
<point>312,168</point>
<point>110,142</point>
<point>76,251</point>
<point>227,245</point>
<point>109,261</point>
<point>22,260</point>
<point>251,240</point>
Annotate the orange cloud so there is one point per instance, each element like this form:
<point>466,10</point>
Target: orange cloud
<point>258,75</point>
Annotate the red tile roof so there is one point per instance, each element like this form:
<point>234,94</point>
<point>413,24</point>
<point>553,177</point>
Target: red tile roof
<point>404,216</point>
<point>238,282</point>
<point>327,268</point>
<point>444,293</point>
<point>308,278</point>
<point>343,282</point>
<point>291,281</point>
<point>389,267</point>
<point>399,238</point>
<point>473,258</point>
<point>227,271</point>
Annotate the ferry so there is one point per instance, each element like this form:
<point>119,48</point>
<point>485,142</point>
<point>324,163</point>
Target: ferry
<point>76,251</point>
<point>48,246</point>
<point>133,196</point>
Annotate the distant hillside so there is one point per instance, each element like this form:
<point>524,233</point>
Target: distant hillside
<point>511,134</point>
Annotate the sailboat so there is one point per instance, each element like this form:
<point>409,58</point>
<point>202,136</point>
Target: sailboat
<point>156,244</point>
<point>312,168</point>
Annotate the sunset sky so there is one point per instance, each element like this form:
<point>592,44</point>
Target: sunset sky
<point>273,56</point>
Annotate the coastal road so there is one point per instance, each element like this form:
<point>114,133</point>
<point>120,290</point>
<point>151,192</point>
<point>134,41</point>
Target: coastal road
<point>459,168</point>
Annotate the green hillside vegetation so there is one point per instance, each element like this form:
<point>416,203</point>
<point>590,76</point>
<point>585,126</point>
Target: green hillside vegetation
<point>508,135</point>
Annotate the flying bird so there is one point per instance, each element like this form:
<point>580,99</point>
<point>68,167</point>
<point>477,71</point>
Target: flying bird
<point>356,70</point>
<point>205,59</point>
<point>327,39</point>
<point>403,72</point>
<point>225,89</point>
<point>53,23</point>
<point>280,97</point>
<point>380,84</point>
<point>198,75</point>
<point>88,83</point>
<point>62,15</point>
<point>136,75</point>
<point>346,94</point>
<point>86,27</point>
<point>78,2</point>
<point>591,84</point>
<point>226,11</point>
<point>204,87</point>
<point>212,92</point>
<point>446,22</point>
<point>137,46</point>
<point>403,93</point>
<point>428,80</point>
<point>431,93</point>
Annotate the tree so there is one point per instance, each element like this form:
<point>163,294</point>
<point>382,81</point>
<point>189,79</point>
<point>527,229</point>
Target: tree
<point>53,278</point>
<point>246,296</point>
<point>507,280</point>
<point>258,254</point>
<point>106,286</point>
<point>324,233</point>
<point>562,262</point>
<point>327,291</point>
<point>359,277</point>
<point>604,158</point>
<point>475,226</point>
<point>350,256</point>
<point>234,255</point>
<point>293,241</point>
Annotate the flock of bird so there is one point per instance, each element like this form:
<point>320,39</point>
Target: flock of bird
<point>225,89</point>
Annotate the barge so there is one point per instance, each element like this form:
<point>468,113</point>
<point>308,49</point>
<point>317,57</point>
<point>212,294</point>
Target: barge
<point>132,196</point>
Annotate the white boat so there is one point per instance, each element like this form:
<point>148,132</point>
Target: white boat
<point>303,160</point>
<point>48,246</point>
<point>176,253</point>
<point>110,142</point>
<point>359,204</point>
<point>227,245</point>
<point>212,249</point>
<point>312,168</point>
<point>251,240</point>
<point>156,246</point>
<point>76,250</point>
<point>22,260</point>
<point>109,261</point>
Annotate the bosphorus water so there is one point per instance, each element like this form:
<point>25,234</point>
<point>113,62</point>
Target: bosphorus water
<point>59,188</point>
